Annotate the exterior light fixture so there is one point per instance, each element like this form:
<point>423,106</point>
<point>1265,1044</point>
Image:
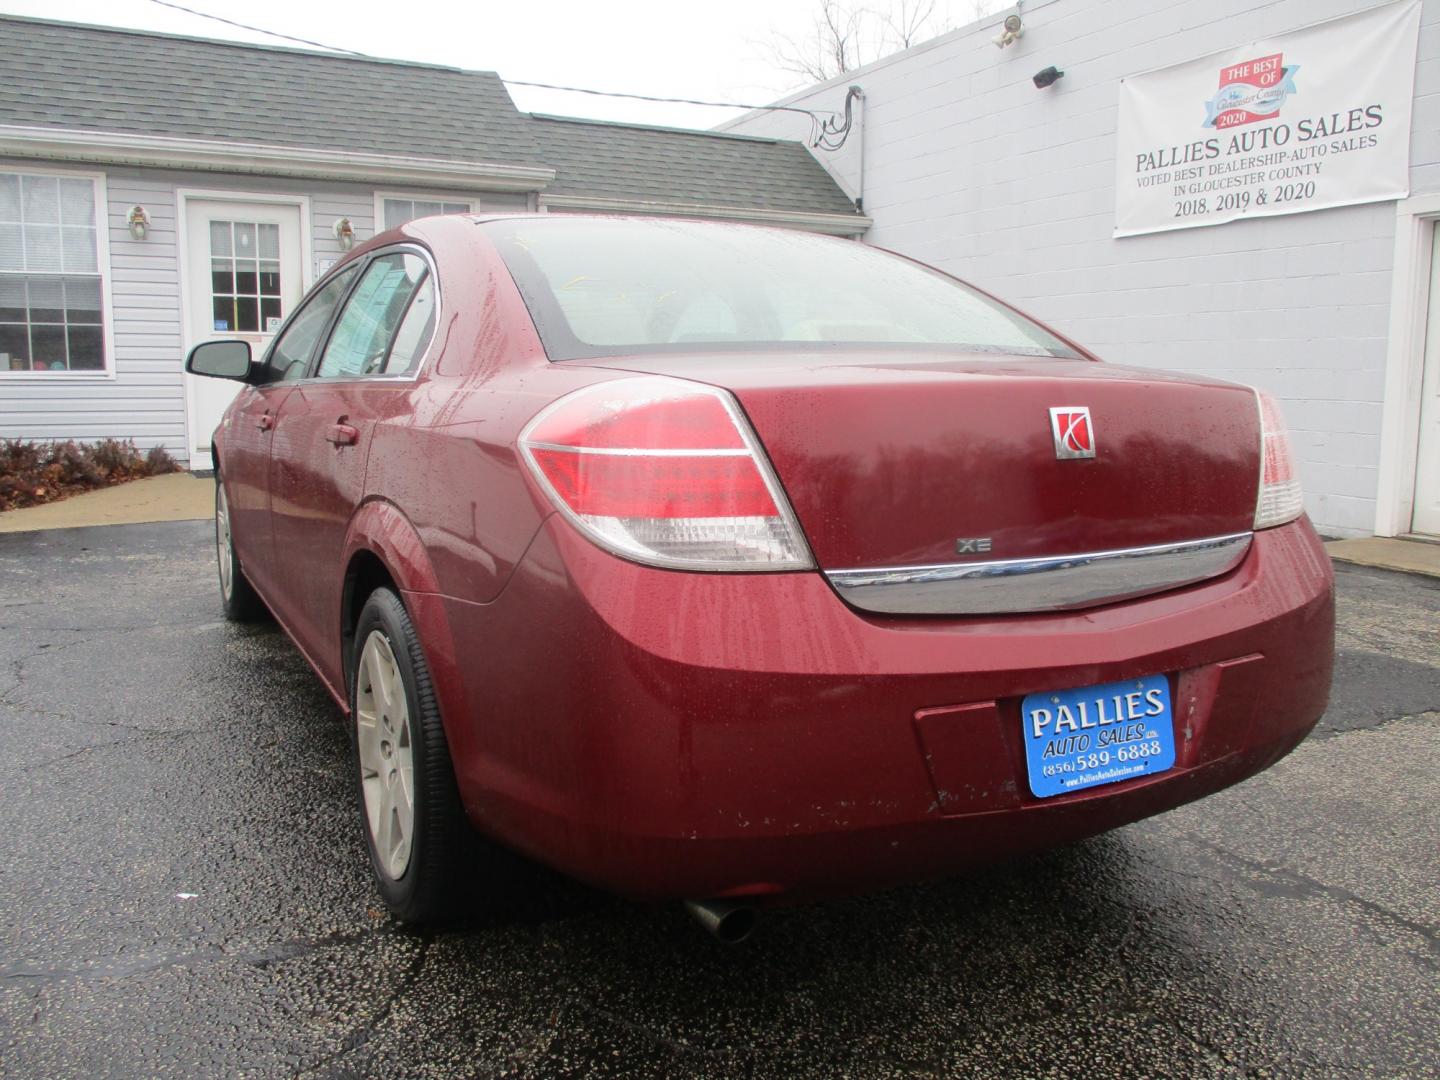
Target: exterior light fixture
<point>139,222</point>
<point>1048,77</point>
<point>1013,30</point>
<point>344,231</point>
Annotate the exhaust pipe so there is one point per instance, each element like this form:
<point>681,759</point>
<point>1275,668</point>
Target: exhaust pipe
<point>722,919</point>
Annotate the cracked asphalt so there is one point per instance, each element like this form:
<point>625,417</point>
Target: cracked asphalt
<point>183,890</point>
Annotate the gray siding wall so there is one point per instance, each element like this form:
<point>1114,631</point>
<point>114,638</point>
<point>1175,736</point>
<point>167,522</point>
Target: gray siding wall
<point>971,168</point>
<point>146,400</point>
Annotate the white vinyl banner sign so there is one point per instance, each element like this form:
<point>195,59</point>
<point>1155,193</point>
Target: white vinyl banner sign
<point>1315,118</point>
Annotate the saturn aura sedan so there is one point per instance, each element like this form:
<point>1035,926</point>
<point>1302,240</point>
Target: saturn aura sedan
<point>742,566</point>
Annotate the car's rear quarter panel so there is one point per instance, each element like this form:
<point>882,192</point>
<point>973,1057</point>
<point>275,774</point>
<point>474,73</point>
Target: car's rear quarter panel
<point>449,463</point>
<point>448,509</point>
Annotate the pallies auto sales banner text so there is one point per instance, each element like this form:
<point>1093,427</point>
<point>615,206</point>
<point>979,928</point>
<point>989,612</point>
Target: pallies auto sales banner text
<point>1315,118</point>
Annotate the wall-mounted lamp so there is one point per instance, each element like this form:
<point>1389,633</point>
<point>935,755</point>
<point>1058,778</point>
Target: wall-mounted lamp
<point>1013,30</point>
<point>1048,77</point>
<point>139,222</point>
<point>344,231</point>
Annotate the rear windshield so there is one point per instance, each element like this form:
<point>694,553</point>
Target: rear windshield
<point>616,287</point>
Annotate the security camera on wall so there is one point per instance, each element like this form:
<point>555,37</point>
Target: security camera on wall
<point>1047,77</point>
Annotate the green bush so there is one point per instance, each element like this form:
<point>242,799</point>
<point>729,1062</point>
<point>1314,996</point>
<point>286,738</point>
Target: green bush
<point>39,472</point>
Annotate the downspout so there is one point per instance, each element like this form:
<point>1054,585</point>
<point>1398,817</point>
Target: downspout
<point>860,181</point>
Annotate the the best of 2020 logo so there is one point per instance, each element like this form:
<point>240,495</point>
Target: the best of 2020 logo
<point>1250,91</point>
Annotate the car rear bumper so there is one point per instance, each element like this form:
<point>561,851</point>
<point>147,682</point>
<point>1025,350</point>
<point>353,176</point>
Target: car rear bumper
<point>670,734</point>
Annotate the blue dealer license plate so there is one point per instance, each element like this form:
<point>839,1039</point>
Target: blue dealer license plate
<point>1075,739</point>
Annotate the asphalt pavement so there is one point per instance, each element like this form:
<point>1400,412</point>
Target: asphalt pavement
<point>183,890</point>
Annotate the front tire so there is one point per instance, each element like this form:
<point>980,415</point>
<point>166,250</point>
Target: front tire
<point>238,597</point>
<point>414,825</point>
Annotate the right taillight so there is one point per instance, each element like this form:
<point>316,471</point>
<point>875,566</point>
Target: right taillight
<point>666,472</point>
<point>1279,500</point>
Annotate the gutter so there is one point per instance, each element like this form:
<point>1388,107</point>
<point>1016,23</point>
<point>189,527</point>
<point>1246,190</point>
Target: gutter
<point>833,224</point>
<point>119,148</point>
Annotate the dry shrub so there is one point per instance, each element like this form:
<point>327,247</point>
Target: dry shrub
<point>158,461</point>
<point>39,472</point>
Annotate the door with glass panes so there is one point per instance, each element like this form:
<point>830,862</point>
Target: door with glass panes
<point>243,276</point>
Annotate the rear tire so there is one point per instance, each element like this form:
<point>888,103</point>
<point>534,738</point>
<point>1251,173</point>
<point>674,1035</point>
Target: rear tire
<point>238,597</point>
<point>415,829</point>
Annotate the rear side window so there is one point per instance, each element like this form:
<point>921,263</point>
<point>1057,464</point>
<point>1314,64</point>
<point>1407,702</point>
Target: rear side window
<point>598,287</point>
<point>415,331</point>
<point>378,307</point>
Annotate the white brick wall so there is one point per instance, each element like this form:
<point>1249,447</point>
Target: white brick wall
<point>971,168</point>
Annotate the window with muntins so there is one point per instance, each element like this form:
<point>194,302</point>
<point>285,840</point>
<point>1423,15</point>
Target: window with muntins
<point>399,211</point>
<point>245,276</point>
<point>51,313</point>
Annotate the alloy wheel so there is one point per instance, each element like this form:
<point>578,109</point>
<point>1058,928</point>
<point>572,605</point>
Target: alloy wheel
<point>385,743</point>
<point>224,554</point>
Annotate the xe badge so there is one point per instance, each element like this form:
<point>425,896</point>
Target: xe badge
<point>1074,436</point>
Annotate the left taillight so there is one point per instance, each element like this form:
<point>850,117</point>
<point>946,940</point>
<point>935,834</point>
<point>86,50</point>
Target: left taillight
<point>665,472</point>
<point>1280,499</point>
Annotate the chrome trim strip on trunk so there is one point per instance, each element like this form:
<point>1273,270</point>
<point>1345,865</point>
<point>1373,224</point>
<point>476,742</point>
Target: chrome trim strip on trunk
<point>1056,583</point>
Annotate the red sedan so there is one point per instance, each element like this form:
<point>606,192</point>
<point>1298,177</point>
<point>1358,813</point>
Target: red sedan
<point>734,564</point>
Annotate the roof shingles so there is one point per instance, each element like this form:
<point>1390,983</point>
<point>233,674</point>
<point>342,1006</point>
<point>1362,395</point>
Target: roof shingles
<point>596,158</point>
<point>100,79</point>
<point>90,78</point>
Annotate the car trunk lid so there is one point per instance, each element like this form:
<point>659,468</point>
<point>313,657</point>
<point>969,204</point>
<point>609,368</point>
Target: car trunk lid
<point>934,460</point>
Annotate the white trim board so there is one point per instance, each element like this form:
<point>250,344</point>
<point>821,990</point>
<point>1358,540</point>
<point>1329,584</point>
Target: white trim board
<point>63,144</point>
<point>1415,220</point>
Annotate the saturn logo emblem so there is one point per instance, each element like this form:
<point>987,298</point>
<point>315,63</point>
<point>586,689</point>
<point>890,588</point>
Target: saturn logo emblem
<point>1073,432</point>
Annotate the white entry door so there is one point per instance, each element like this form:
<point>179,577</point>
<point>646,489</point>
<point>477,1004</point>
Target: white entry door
<point>243,270</point>
<point>1427,467</point>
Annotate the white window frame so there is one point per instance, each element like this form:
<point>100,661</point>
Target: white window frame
<point>417,196</point>
<point>102,262</point>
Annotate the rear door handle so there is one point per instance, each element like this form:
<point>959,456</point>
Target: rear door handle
<point>266,422</point>
<point>342,434</point>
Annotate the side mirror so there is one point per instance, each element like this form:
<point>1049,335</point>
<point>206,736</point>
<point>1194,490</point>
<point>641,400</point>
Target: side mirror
<point>220,360</point>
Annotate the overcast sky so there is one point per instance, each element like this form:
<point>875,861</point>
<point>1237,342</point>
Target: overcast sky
<point>673,48</point>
